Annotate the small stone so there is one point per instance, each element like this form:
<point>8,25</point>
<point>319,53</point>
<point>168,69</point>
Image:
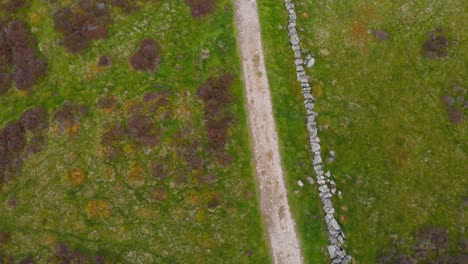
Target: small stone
<point>300,183</point>
<point>328,174</point>
<point>323,188</point>
<point>310,180</point>
<point>295,40</point>
<point>315,147</point>
<point>298,61</point>
<point>335,224</point>
<point>310,63</point>
<point>332,251</point>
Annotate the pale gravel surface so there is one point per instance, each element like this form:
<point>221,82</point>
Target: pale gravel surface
<point>284,242</point>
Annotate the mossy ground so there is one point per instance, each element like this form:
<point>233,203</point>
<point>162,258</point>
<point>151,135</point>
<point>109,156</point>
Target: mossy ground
<point>71,193</point>
<point>401,162</point>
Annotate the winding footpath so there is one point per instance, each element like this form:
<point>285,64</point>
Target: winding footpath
<point>284,242</point>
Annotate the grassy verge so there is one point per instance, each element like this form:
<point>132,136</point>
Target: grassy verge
<point>116,209</point>
<point>400,156</point>
<point>290,117</point>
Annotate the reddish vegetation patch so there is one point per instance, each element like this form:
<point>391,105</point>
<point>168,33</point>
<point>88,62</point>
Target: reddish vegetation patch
<point>128,6</point>
<point>147,58</point>
<point>159,170</point>
<point>105,61</point>
<point>113,134</point>
<point>432,246</point>
<point>81,23</point>
<point>436,45</point>
<point>18,60</point>
<point>201,8</point>
<point>10,6</point>
<point>34,119</point>
<point>64,254</point>
<point>107,102</point>
<point>217,97</point>
<point>4,238</point>
<point>13,141</point>
<point>143,130</point>
<point>155,100</point>
<point>68,115</point>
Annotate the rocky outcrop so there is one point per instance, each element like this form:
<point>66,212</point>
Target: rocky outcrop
<point>326,186</point>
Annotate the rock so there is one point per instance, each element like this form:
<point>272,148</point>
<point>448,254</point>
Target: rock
<point>310,180</point>
<point>323,188</point>
<point>335,224</point>
<point>327,174</point>
<point>321,182</point>
<point>310,63</point>
<point>300,183</point>
<point>380,34</point>
<point>298,62</point>
<point>317,160</point>
<point>341,253</point>
<point>315,147</point>
<point>332,251</point>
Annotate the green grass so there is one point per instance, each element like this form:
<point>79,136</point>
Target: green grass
<point>180,229</point>
<point>401,163</point>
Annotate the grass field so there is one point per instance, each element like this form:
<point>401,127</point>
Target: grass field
<point>75,199</point>
<point>390,83</point>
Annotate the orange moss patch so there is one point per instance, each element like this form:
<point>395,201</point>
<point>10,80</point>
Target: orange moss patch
<point>136,176</point>
<point>76,177</point>
<point>158,194</point>
<point>99,208</point>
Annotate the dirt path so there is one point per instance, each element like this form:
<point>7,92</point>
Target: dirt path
<point>284,243</point>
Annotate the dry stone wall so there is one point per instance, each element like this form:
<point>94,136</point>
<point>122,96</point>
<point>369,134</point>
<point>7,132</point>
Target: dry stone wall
<point>326,186</point>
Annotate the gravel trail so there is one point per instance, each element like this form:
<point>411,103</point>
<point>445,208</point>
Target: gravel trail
<point>284,242</point>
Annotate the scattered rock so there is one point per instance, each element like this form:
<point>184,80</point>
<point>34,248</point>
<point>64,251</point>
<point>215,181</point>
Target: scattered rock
<point>300,183</point>
<point>310,63</point>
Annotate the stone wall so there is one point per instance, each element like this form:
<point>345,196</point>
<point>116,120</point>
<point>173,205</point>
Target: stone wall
<point>326,186</point>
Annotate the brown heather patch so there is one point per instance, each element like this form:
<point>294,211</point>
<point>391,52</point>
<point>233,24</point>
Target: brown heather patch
<point>201,8</point>
<point>217,98</point>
